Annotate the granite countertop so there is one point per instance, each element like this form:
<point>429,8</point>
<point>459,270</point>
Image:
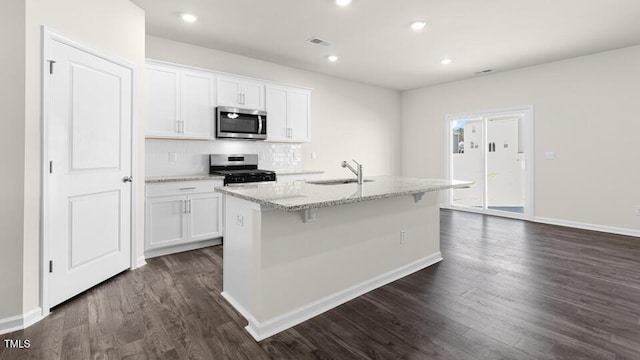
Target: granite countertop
<point>295,196</point>
<point>163,179</point>
<point>297,172</point>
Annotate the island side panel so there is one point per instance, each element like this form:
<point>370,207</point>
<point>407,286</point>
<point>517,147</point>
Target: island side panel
<point>241,249</point>
<point>342,252</point>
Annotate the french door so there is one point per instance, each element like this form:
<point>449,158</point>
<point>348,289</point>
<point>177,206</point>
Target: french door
<point>494,149</point>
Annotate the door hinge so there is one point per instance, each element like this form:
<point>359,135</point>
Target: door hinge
<point>50,167</point>
<point>51,62</point>
<point>50,266</point>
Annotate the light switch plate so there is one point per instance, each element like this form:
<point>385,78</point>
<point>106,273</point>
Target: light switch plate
<point>550,155</point>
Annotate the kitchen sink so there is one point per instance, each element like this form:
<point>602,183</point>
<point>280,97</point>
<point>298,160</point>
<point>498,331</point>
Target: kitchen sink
<point>335,182</point>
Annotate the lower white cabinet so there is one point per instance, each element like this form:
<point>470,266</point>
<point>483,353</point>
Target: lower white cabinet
<point>182,216</point>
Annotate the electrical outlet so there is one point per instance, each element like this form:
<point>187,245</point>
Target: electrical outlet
<point>240,220</point>
<point>314,155</point>
<point>403,236</point>
<point>550,155</point>
<point>636,210</point>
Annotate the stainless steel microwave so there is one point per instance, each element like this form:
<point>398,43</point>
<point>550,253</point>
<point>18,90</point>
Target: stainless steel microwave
<point>234,123</point>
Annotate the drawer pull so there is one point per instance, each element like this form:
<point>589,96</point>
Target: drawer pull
<point>188,188</point>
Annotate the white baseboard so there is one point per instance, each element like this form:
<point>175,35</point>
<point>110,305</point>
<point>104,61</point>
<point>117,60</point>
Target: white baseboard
<point>20,322</point>
<point>265,329</point>
<point>180,248</point>
<point>140,262</point>
<point>586,226</point>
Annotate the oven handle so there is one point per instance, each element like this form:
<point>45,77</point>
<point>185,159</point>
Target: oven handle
<point>259,124</point>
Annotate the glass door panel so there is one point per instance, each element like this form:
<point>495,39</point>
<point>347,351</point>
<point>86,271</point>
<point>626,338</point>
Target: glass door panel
<point>505,186</point>
<point>467,161</point>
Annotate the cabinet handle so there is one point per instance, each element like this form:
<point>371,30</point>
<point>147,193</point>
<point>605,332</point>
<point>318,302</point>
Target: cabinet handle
<point>189,206</point>
<point>188,188</point>
<point>184,203</point>
<point>239,98</point>
<point>177,126</point>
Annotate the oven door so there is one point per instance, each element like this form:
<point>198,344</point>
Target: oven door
<point>234,123</point>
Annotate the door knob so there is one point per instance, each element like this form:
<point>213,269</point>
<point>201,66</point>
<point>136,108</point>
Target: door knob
<point>127,179</point>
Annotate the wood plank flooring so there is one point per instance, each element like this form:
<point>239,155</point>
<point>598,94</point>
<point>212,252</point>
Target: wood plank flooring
<point>507,289</point>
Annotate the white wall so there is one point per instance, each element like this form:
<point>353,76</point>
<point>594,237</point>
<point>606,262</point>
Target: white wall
<point>349,120</point>
<point>12,145</point>
<point>585,109</point>
<point>115,27</point>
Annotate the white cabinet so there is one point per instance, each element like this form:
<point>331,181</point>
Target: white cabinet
<point>288,113</point>
<point>181,216</point>
<point>180,103</point>
<point>240,93</point>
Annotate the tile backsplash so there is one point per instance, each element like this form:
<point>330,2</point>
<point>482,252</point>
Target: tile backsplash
<point>181,157</point>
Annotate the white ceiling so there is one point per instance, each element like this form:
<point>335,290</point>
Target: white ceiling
<point>376,45</point>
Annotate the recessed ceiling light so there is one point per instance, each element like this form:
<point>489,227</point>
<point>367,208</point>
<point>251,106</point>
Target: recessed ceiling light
<point>189,17</point>
<point>446,61</point>
<point>332,58</point>
<point>418,25</point>
<point>343,2</point>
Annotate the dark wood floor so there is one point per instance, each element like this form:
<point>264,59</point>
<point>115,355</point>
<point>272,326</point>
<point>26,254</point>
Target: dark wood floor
<point>506,290</point>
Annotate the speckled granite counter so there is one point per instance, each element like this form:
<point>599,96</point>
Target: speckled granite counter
<point>295,196</point>
<point>162,179</point>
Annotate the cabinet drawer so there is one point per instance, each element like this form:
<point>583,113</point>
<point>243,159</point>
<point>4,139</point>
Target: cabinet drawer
<point>182,187</point>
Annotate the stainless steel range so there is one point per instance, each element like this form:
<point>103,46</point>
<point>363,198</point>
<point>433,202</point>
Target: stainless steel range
<point>239,168</point>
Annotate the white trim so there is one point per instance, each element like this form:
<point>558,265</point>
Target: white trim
<point>140,262</point>
<point>47,36</point>
<point>151,253</point>
<point>586,226</point>
<point>265,329</point>
<point>20,322</point>
<point>529,146</point>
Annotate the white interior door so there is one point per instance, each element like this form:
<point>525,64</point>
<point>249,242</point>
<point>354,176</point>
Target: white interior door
<point>89,147</point>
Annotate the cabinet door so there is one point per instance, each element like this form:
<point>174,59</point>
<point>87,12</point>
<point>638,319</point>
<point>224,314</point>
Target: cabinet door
<point>162,101</point>
<point>205,216</point>
<point>276,100</point>
<point>198,99</point>
<point>229,90</point>
<point>299,115</point>
<point>252,95</point>
<point>166,221</point>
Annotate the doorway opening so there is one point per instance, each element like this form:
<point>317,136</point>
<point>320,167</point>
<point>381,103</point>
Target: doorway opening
<point>494,149</point>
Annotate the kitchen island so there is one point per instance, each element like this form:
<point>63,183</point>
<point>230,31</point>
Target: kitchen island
<point>294,250</point>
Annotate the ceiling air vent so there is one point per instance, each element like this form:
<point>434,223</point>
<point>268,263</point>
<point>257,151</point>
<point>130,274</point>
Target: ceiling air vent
<point>317,41</point>
<point>482,72</point>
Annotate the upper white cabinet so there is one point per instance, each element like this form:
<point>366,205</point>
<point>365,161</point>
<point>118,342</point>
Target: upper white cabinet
<point>288,113</point>
<point>180,103</point>
<point>240,93</point>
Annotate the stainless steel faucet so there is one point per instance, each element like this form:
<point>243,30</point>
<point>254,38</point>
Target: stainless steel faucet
<point>358,172</point>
